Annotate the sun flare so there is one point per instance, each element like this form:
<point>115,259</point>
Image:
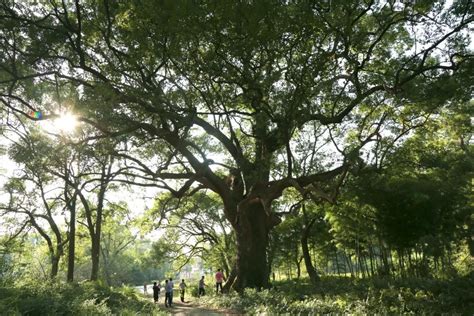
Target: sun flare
<point>65,123</point>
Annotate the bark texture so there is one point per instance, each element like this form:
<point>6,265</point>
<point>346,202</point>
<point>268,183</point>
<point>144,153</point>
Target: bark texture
<point>313,274</point>
<point>252,228</point>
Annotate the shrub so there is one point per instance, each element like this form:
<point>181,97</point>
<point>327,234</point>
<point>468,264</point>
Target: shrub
<point>356,297</point>
<point>73,299</point>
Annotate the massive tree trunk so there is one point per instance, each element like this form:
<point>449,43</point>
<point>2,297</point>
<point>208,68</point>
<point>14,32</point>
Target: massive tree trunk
<point>252,228</point>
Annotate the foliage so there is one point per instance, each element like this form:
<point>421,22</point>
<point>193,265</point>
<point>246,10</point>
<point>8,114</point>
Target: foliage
<point>356,297</point>
<point>7,274</point>
<point>72,299</point>
<point>194,227</point>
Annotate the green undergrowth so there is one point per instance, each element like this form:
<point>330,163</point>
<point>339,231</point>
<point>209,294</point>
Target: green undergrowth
<point>73,299</point>
<point>355,297</point>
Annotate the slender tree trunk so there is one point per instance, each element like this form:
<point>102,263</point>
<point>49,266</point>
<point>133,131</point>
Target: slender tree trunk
<point>450,255</point>
<point>386,264</point>
<point>225,266</point>
<point>298,267</point>
<point>337,262</point>
<point>270,258</point>
<point>349,264</point>
<point>71,206</point>
<point>366,266</point>
<point>371,260</point>
<point>400,262</point>
<point>54,255</point>
<point>54,265</point>
<point>392,264</point>
<point>95,256</point>
<point>313,274</point>
<point>410,264</point>
<point>230,279</point>
<point>95,249</point>
<point>361,265</point>
<point>443,262</point>
<point>72,244</point>
<point>106,268</point>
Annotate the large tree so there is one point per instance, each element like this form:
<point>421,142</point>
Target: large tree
<point>242,98</point>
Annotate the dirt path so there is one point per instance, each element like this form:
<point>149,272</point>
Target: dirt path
<point>192,309</point>
<point>188,308</point>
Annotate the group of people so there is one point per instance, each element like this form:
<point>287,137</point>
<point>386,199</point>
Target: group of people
<point>169,286</point>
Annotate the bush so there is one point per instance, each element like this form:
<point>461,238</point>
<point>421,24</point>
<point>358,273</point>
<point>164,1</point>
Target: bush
<point>194,290</point>
<point>357,297</point>
<point>73,299</point>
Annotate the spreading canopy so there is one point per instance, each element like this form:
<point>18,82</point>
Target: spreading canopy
<point>244,86</point>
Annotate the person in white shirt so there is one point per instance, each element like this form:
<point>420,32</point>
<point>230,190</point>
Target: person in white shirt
<point>168,293</point>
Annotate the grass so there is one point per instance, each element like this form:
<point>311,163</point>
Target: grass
<point>339,295</point>
<point>74,299</point>
<point>333,295</point>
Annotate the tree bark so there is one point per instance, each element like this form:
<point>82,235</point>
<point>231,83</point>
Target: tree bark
<point>313,274</point>
<point>95,252</point>
<point>371,258</point>
<point>298,268</point>
<point>72,244</point>
<point>337,262</point>
<point>55,255</point>
<point>252,228</point>
<point>105,265</point>
<point>54,266</point>
<point>96,236</point>
<point>230,279</point>
<point>95,247</point>
<point>386,264</point>
<point>348,264</point>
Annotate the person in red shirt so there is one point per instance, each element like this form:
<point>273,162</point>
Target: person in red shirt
<point>219,279</point>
